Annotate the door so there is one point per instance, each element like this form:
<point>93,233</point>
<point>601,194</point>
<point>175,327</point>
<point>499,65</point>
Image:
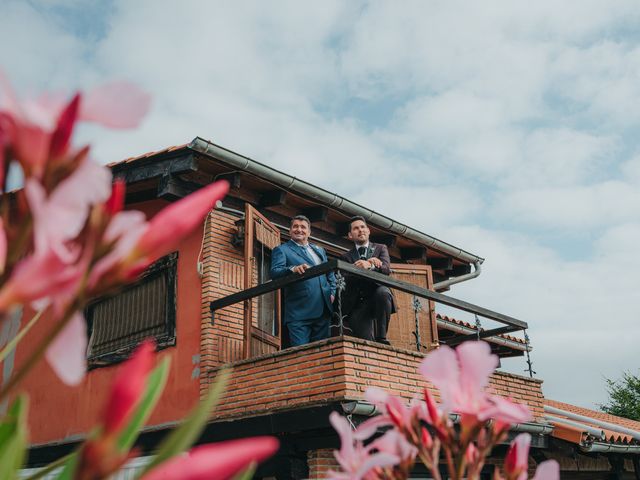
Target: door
<point>261,314</point>
<point>404,328</point>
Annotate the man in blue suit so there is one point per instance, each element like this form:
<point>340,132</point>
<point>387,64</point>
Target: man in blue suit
<point>308,304</point>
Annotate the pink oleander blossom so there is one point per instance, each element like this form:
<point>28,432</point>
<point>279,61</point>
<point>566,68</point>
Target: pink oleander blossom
<point>67,354</point>
<point>516,462</point>
<point>395,443</point>
<point>3,247</point>
<point>394,411</point>
<point>168,227</point>
<point>39,129</point>
<point>128,387</point>
<point>462,376</point>
<point>354,458</point>
<point>38,279</point>
<point>60,217</point>
<point>221,461</point>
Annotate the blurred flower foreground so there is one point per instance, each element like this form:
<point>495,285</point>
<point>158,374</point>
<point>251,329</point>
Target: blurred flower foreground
<point>65,238</point>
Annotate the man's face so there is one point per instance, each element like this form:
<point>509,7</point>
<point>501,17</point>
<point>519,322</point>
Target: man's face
<point>359,232</point>
<point>300,231</point>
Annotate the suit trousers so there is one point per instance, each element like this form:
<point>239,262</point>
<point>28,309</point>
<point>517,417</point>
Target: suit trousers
<point>302,332</point>
<point>369,319</point>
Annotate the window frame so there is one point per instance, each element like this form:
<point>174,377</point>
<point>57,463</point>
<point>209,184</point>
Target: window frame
<point>168,338</point>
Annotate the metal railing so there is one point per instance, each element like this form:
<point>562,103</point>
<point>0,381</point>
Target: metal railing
<point>510,324</point>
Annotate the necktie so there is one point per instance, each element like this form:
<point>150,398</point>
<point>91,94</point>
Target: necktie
<point>362,251</point>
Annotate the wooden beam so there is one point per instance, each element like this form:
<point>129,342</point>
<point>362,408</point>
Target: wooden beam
<point>233,178</point>
<point>388,240</point>
<point>273,198</point>
<point>441,263</point>
<point>171,188</point>
<point>413,253</point>
<point>458,270</point>
<point>155,168</point>
<point>316,214</point>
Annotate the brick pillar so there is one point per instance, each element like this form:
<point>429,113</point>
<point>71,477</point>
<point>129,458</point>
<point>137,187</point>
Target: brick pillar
<point>320,462</point>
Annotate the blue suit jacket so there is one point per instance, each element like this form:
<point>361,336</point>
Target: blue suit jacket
<point>303,300</point>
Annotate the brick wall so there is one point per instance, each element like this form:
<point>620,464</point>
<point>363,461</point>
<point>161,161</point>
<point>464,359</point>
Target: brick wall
<point>223,274</point>
<point>320,462</point>
<point>340,369</point>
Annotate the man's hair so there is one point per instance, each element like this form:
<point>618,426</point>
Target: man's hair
<point>355,219</point>
<point>301,218</point>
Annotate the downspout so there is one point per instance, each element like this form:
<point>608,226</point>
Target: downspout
<point>462,278</point>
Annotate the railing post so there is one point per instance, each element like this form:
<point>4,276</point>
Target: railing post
<point>341,285</point>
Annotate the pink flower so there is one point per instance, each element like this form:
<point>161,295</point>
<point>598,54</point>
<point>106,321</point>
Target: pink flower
<point>40,129</point>
<point>218,460</point>
<point>462,375</point>
<point>40,279</point>
<point>67,354</point>
<point>168,228</point>
<point>128,387</point>
<point>60,217</point>
<point>394,443</point>
<point>394,411</point>
<point>354,458</point>
<point>516,462</point>
<point>3,247</point>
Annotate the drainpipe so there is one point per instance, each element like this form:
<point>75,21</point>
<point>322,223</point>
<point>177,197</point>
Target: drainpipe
<point>600,423</point>
<point>462,278</point>
<point>600,447</point>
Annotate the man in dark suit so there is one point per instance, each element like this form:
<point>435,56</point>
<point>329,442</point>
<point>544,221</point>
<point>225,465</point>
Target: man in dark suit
<point>308,304</point>
<point>367,304</point>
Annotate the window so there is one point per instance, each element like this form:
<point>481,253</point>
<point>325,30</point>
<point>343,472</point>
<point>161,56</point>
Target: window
<point>146,309</point>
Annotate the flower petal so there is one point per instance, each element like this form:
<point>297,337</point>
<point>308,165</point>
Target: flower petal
<point>548,470</point>
<point>115,105</point>
<point>476,364</point>
<point>67,354</point>
<point>218,460</point>
<point>441,368</point>
<point>169,227</point>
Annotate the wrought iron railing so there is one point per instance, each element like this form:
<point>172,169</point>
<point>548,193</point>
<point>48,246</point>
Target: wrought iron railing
<point>343,268</point>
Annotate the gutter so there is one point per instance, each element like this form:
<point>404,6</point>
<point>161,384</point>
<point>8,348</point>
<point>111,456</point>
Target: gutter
<point>601,447</point>
<point>367,409</point>
<point>600,423</point>
<point>454,327</point>
<point>245,164</point>
<point>462,278</point>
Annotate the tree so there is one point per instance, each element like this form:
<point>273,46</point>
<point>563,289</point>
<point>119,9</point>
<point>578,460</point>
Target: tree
<point>624,397</point>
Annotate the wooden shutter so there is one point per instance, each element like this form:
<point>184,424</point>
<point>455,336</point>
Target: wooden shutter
<point>402,326</point>
<point>261,314</point>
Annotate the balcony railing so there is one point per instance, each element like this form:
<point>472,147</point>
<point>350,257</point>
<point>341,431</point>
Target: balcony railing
<point>509,324</point>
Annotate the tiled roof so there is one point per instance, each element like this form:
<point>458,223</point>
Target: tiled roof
<point>148,154</point>
<point>574,433</point>
<point>473,327</point>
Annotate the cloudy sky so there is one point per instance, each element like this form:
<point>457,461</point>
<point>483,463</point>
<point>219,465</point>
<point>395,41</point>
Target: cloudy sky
<point>506,128</point>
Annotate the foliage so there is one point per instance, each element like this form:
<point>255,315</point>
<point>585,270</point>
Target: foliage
<point>65,238</point>
<point>425,432</point>
<point>624,397</point>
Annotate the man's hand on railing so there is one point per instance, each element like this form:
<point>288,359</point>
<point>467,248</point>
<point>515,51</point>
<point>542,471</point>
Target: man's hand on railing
<point>300,269</point>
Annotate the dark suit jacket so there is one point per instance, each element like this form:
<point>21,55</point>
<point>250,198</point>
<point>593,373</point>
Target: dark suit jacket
<point>303,300</point>
<point>360,287</point>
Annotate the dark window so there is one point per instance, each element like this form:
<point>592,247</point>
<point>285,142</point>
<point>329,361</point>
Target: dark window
<point>145,309</point>
<point>267,314</point>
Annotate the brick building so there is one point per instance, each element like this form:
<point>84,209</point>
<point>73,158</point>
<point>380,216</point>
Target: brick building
<point>211,304</point>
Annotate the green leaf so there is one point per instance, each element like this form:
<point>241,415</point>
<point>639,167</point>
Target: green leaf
<point>62,461</point>
<point>248,473</point>
<point>15,340</point>
<point>155,385</point>
<point>70,465</point>
<point>186,434</point>
<point>13,438</point>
